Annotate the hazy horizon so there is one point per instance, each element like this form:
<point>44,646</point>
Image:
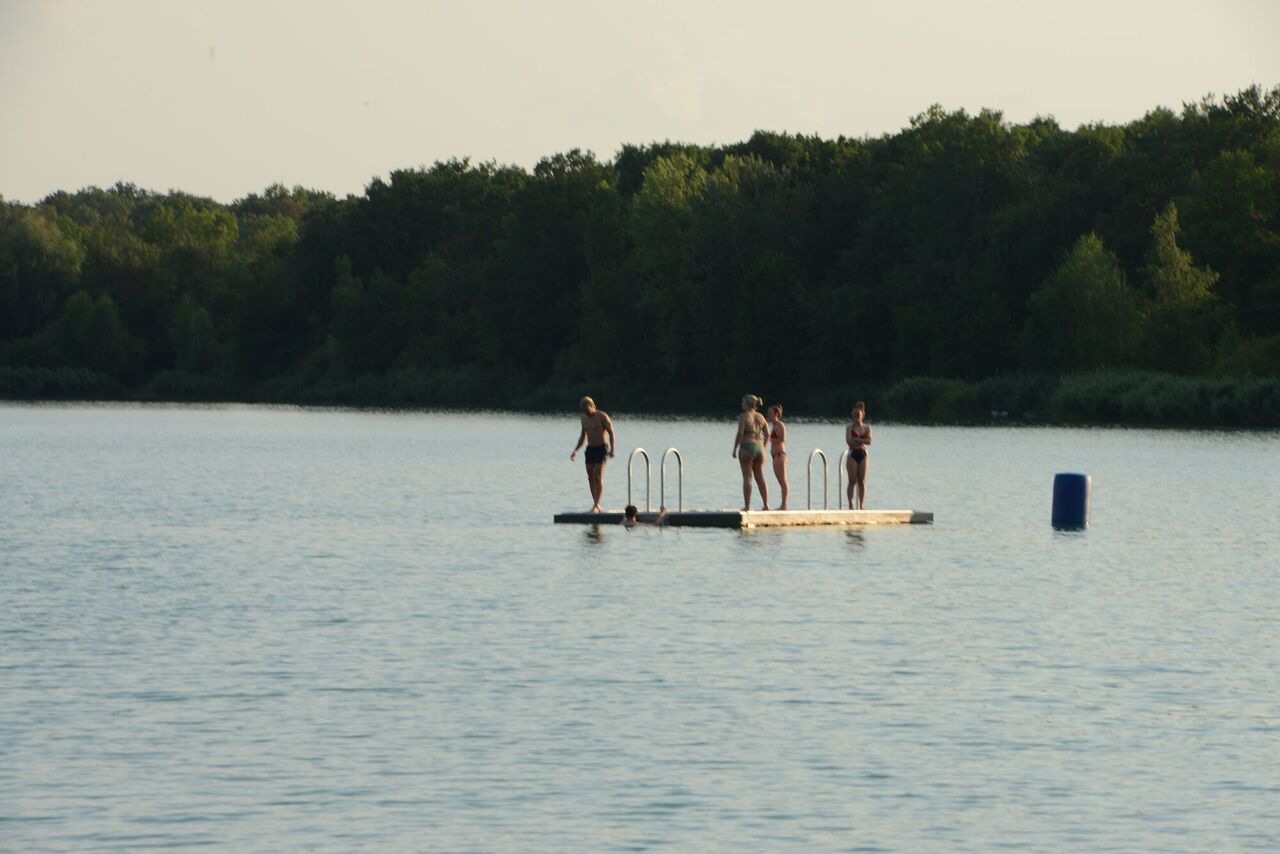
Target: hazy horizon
<point>225,99</point>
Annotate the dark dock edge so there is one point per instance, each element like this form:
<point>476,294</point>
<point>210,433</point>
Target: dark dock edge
<point>759,518</point>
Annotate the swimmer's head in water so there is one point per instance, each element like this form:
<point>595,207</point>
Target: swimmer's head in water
<point>750,402</point>
<point>586,406</point>
<point>631,512</point>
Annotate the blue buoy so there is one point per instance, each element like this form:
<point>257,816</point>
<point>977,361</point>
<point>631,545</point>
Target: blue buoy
<point>1071,500</point>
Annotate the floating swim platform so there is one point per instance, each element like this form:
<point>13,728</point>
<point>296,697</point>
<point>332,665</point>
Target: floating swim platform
<point>760,518</point>
<point>807,518</point>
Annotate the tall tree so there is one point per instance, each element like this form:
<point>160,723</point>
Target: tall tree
<point>1185,318</point>
<point>1084,316</point>
<point>39,267</point>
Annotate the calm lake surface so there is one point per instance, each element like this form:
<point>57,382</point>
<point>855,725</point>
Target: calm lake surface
<point>265,629</point>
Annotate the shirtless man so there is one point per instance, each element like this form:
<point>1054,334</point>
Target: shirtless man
<point>595,424</point>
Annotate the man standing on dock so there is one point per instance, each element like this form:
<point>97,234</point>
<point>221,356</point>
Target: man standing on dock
<point>595,424</point>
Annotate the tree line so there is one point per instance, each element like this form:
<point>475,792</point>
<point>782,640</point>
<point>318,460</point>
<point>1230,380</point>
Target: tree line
<point>961,248</point>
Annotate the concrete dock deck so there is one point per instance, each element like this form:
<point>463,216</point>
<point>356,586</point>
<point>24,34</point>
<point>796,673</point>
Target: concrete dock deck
<point>760,518</point>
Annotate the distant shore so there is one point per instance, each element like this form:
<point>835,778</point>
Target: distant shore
<point>1121,397</point>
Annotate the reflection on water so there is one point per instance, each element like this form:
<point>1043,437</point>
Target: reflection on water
<point>235,628</point>
<point>594,535</point>
<point>856,539</point>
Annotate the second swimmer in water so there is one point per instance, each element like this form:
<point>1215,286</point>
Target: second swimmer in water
<point>778,450</point>
<point>748,446</point>
<point>631,517</point>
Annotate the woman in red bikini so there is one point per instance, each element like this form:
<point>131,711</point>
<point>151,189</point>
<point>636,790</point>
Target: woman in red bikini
<point>857,436</point>
<point>778,449</point>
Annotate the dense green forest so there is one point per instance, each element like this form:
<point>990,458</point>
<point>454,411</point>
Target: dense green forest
<point>962,265</point>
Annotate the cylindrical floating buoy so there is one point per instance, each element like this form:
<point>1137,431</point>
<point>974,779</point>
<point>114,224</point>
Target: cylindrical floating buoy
<point>1071,500</point>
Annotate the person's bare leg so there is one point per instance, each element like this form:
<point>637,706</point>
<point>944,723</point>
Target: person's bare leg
<point>745,463</point>
<point>595,479</point>
<point>851,469</point>
<point>757,468</point>
<point>862,483</point>
<point>780,472</point>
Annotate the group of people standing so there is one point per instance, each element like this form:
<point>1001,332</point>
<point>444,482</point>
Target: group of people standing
<point>757,432</point>
<point>754,434</point>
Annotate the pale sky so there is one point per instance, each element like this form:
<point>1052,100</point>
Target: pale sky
<point>221,98</point>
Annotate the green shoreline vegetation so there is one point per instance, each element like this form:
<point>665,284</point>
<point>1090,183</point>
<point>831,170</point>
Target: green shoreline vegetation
<point>960,270</point>
<point>1121,397</point>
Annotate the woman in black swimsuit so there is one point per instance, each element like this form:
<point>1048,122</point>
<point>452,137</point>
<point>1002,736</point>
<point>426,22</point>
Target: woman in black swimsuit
<point>857,436</point>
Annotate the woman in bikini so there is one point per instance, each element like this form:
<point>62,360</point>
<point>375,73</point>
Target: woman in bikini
<point>750,439</point>
<point>857,436</point>
<point>778,449</point>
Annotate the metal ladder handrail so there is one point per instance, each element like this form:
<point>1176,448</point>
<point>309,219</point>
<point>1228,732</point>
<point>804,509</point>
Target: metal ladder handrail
<point>648,482</point>
<point>662,479</point>
<point>840,470</point>
<point>808,479</point>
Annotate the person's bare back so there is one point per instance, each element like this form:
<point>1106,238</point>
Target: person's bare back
<point>752,427</point>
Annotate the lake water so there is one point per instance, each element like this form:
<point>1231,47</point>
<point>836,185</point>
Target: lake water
<point>264,629</point>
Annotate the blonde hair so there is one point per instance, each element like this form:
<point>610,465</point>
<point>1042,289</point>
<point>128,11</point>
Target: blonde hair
<point>584,403</point>
<point>750,402</point>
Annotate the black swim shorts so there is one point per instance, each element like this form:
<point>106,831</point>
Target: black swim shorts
<point>595,454</point>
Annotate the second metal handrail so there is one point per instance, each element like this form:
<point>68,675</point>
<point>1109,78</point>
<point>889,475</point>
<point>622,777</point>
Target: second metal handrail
<point>808,479</point>
<point>840,494</point>
<point>648,479</point>
<point>662,479</point>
